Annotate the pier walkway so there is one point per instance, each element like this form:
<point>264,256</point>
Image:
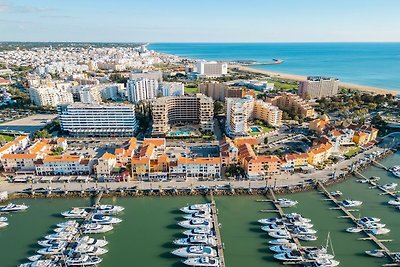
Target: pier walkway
<point>371,237</point>
<point>385,192</point>
<point>380,165</point>
<point>220,245</point>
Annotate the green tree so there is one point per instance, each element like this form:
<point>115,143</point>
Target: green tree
<point>218,107</point>
<point>58,151</point>
<point>42,134</point>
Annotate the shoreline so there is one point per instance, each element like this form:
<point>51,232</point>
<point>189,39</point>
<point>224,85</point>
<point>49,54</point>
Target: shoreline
<point>299,78</point>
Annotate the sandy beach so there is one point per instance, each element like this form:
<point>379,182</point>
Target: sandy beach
<point>298,78</point>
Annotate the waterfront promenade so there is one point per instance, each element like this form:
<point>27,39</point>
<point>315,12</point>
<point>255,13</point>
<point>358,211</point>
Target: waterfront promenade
<point>278,181</point>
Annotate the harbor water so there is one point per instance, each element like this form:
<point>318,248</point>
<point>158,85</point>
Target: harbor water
<point>149,226</point>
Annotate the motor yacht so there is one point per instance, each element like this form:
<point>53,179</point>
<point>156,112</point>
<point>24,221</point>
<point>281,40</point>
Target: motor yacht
<point>53,250</point>
<point>196,223</point>
<point>3,224</point>
<point>83,260</point>
<point>94,228</point>
<point>286,203</point>
<point>70,223</point>
<point>72,230</point>
<point>374,225</point>
<point>90,250</point>
<point>336,194</point>
<point>62,236</point>
<point>323,262</point>
<point>51,243</point>
<point>195,251</point>
<point>36,257</point>
<point>38,263</point>
<point>350,203</point>
<point>195,208</point>
<point>196,240</point>
<point>283,248</point>
<point>365,220</point>
<point>108,209</point>
<point>314,250</point>
<point>394,202</point>
<point>14,207</point>
<point>273,227</point>
<point>375,253</point>
<point>354,229</point>
<point>278,241</point>
<point>3,219</point>
<point>307,237</point>
<point>203,262</point>
<point>92,242</point>
<point>102,219</point>
<point>294,255</point>
<point>201,214</point>
<point>75,213</point>
<point>302,231</point>
<point>270,221</point>
<point>281,234</point>
<point>378,231</point>
<point>297,217</point>
<point>300,224</point>
<point>389,186</point>
<point>198,231</point>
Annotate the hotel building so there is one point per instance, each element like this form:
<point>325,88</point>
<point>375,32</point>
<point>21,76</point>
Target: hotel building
<point>291,102</point>
<point>48,96</point>
<point>98,120</point>
<point>196,109</point>
<point>141,89</point>
<point>317,87</point>
<point>212,69</point>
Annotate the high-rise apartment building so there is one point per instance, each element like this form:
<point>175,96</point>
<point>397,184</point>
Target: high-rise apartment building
<point>211,69</point>
<point>97,120</point>
<point>219,91</point>
<point>317,87</point>
<point>141,89</point>
<point>172,89</point>
<point>49,96</point>
<point>194,109</point>
<point>151,75</point>
<point>294,104</point>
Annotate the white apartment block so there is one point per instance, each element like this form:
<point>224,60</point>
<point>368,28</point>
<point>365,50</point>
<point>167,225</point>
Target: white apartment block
<point>48,96</point>
<point>98,120</point>
<point>90,95</point>
<point>141,89</point>
<point>206,168</point>
<point>212,69</point>
<point>172,89</point>
<point>317,87</point>
<point>64,165</point>
<point>238,112</point>
<point>145,74</point>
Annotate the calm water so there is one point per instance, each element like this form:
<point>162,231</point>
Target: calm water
<point>144,237</point>
<point>372,64</point>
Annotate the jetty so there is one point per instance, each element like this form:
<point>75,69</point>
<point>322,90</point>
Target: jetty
<point>390,255</point>
<point>220,245</point>
<point>385,191</point>
<point>380,165</point>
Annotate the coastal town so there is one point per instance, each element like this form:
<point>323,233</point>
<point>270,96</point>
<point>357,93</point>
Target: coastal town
<point>129,114</point>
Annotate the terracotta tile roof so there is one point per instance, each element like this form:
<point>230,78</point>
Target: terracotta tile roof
<point>21,138</point>
<point>108,156</point>
<point>147,150</point>
<point>20,156</point>
<point>62,158</point>
<point>264,159</point>
<point>245,150</point>
<point>211,160</point>
<point>246,140</point>
<point>296,156</point>
<point>138,160</point>
<point>155,141</point>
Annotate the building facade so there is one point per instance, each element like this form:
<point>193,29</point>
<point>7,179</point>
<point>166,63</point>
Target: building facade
<point>141,89</point>
<point>317,87</point>
<point>48,96</point>
<point>172,89</point>
<point>212,69</point>
<point>293,103</point>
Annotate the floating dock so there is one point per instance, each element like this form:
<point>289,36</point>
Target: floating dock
<point>371,237</point>
<point>385,192</point>
<point>220,245</point>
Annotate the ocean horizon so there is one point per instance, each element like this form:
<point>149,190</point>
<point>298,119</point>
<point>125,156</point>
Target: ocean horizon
<point>375,64</point>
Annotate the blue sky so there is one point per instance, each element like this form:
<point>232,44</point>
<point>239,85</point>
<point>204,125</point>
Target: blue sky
<point>200,21</point>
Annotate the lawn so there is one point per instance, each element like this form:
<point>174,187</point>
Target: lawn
<point>191,90</point>
<point>265,129</point>
<point>6,138</point>
<point>284,86</point>
<point>352,152</point>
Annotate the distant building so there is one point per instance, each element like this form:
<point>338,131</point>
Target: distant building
<point>49,96</point>
<point>141,89</point>
<point>98,120</point>
<point>219,91</point>
<point>145,74</point>
<point>212,69</point>
<point>172,89</point>
<point>293,103</point>
<point>317,87</point>
<point>194,109</point>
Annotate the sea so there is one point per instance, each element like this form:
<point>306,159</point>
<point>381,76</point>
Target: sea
<point>149,226</point>
<point>370,64</point>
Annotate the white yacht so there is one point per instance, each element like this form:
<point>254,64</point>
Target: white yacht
<point>298,217</point>
<point>72,230</point>
<point>102,219</point>
<point>53,250</point>
<point>336,194</point>
<point>201,214</point>
<point>108,209</point>
<point>286,203</point>
<point>196,208</point>
<point>75,213</point>
<point>94,228</point>
<point>354,229</point>
<point>92,242</point>
<point>281,234</point>
<point>13,207</point>
<point>379,231</point>
<point>365,220</point>
<point>203,262</point>
<point>62,236</point>
<point>273,227</point>
<point>283,248</point>
<point>300,224</point>
<point>278,241</point>
<point>375,253</point>
<point>83,260</point>
<point>3,219</point>
<point>195,251</point>
<point>374,225</point>
<point>394,202</point>
<point>3,224</point>
<point>270,221</point>
<point>294,255</point>
<point>39,263</point>
<point>307,237</point>
<point>302,231</point>
<point>90,250</point>
<point>324,262</point>
<point>51,243</point>
<point>70,223</point>
<point>196,240</point>
<point>198,231</point>
<point>196,223</point>
<point>36,257</point>
<point>389,186</point>
<point>395,171</point>
<point>348,203</point>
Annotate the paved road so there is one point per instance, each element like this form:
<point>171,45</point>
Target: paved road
<point>278,180</point>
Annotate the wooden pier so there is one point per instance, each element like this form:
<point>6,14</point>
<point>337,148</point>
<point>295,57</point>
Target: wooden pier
<point>220,245</point>
<point>370,237</point>
<point>380,165</point>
